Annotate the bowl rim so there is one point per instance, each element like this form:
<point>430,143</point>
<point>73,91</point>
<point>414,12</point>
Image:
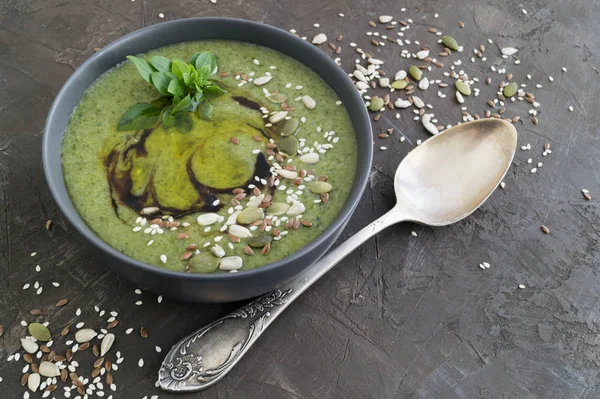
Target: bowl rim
<point>362,124</point>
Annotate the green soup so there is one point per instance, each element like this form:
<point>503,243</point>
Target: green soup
<point>230,191</point>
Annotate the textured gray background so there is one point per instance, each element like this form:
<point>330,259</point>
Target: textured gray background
<point>404,316</point>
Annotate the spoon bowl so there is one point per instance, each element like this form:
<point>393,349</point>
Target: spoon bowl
<point>440,182</point>
<point>449,176</point>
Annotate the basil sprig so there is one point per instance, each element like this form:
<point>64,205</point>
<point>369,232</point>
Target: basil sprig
<point>185,88</point>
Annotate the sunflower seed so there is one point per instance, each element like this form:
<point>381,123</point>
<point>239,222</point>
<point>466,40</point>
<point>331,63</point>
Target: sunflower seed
<point>206,219</point>
<point>417,102</point>
<point>402,103</point>
<point>150,210</point>
<point>29,346</point>
<point>509,51</point>
<point>319,39</point>
<point>85,335</point>
<point>309,102</point>
<point>278,116</point>
<point>48,369</point>
<point>231,263</point>
<point>240,231</point>
<point>297,208</point>
<point>309,158</point>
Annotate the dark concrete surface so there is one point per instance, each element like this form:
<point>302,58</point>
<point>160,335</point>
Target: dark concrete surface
<point>404,316</point>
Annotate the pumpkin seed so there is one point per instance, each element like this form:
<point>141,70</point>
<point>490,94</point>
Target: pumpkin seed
<point>29,345</point>
<point>376,104</point>
<point>106,344</point>
<point>320,187</point>
<point>85,335</point>
<point>450,42</point>
<point>278,98</point>
<point>249,215</point>
<point>48,369</point>
<point>259,241</point>
<point>463,87</point>
<point>231,263</point>
<point>278,208</point>
<point>289,144</point>
<point>309,102</point>
<point>415,72</point>
<point>510,90</point>
<point>399,84</point>
<point>40,332</point>
<point>290,127</point>
<point>203,263</point>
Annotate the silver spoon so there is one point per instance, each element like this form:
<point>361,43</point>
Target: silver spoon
<point>438,183</point>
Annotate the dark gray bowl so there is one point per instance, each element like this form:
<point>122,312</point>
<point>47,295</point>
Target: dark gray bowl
<point>223,287</point>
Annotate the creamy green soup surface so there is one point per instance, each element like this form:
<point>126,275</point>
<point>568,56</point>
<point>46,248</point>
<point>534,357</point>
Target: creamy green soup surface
<point>229,194</point>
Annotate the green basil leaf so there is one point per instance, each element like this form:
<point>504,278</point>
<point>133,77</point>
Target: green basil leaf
<point>205,110</point>
<point>179,68</point>
<point>142,66</point>
<point>176,88</point>
<point>184,105</point>
<point>193,58</point>
<point>187,79</point>
<point>161,81</point>
<point>206,58</point>
<point>161,102</point>
<point>199,96</point>
<point>203,74</point>
<point>139,116</point>
<point>213,89</point>
<point>160,63</point>
<point>181,121</point>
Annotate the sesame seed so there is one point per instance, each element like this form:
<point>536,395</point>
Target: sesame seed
<point>163,258</point>
<point>138,303</point>
<point>161,15</point>
<point>128,331</point>
<point>158,349</point>
<point>78,312</point>
<point>522,286</point>
<point>159,299</point>
<point>413,233</point>
<point>141,363</point>
<point>33,254</point>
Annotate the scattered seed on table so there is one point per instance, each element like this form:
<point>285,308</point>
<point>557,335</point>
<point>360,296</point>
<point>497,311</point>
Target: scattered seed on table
<point>545,229</point>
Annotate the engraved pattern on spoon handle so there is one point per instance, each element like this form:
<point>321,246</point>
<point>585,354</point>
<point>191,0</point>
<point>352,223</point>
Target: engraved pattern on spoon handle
<point>205,356</point>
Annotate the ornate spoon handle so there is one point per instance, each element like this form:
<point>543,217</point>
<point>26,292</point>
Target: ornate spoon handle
<point>205,356</point>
